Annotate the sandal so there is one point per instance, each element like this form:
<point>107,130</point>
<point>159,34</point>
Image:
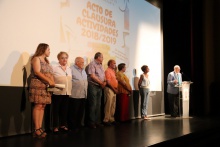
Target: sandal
<point>38,133</point>
<point>44,134</point>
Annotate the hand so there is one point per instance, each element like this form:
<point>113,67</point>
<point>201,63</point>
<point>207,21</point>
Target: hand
<point>103,84</point>
<point>51,83</point>
<point>175,81</point>
<point>115,90</point>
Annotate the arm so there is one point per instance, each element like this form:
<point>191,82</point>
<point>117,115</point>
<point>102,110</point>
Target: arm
<point>91,70</point>
<point>121,81</point>
<point>107,75</point>
<point>114,89</point>
<point>52,79</point>
<point>36,68</point>
<point>96,79</point>
<point>140,81</point>
<point>171,80</point>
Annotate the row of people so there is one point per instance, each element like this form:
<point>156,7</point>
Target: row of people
<point>84,88</point>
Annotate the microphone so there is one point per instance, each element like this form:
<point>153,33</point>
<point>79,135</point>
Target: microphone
<point>185,76</point>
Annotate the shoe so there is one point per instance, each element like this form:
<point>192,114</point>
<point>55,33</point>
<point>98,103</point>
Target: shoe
<point>63,129</point>
<point>147,118</point>
<point>56,131</point>
<point>39,133</point>
<point>107,123</point>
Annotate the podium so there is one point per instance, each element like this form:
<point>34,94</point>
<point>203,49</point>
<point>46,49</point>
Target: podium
<point>184,91</point>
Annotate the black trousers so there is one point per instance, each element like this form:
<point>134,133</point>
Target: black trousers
<point>76,112</point>
<point>59,110</point>
<point>173,104</point>
<point>136,96</point>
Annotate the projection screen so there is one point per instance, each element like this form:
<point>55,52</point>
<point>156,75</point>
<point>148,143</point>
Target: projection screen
<point>128,31</point>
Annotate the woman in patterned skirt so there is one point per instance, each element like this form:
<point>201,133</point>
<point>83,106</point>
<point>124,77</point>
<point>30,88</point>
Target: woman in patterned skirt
<point>41,79</point>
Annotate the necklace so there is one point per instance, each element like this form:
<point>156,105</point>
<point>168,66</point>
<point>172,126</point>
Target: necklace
<point>63,70</point>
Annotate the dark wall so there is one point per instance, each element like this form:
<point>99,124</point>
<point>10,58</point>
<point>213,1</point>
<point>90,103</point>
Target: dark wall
<point>183,46</point>
<point>191,40</point>
<point>176,38</point>
<point>15,111</point>
<point>213,38</point>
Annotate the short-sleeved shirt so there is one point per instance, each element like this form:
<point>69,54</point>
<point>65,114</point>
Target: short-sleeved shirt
<point>96,69</point>
<point>79,83</point>
<point>111,77</point>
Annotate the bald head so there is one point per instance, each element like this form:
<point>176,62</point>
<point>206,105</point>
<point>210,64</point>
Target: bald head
<point>79,62</point>
<point>112,64</point>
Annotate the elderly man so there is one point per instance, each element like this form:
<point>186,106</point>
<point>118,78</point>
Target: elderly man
<point>110,92</point>
<point>78,95</point>
<point>174,79</point>
<point>96,83</point>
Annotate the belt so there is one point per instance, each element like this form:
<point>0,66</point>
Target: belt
<point>93,83</point>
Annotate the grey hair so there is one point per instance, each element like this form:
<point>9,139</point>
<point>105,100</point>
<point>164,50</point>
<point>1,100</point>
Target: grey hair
<point>176,66</point>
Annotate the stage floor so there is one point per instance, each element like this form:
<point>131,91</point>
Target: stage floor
<point>159,131</point>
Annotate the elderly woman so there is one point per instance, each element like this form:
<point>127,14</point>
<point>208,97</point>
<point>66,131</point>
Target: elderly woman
<point>122,98</point>
<point>62,75</point>
<point>41,78</point>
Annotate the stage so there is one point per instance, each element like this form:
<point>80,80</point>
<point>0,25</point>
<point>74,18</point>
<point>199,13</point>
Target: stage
<point>159,131</point>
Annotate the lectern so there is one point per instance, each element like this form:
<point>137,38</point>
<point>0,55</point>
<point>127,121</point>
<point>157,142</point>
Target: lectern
<point>184,91</point>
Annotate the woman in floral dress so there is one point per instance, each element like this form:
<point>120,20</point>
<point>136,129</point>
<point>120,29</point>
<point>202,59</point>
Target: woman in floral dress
<point>41,79</point>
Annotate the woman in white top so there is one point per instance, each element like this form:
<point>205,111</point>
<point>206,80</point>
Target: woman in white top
<point>62,75</point>
<point>144,87</point>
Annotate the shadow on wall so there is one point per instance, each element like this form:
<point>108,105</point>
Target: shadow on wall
<point>15,110</point>
<point>136,95</point>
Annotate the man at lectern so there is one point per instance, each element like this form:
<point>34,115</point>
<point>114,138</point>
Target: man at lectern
<point>174,80</point>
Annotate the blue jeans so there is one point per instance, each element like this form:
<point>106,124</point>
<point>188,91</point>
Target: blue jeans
<point>144,92</point>
<point>94,103</point>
